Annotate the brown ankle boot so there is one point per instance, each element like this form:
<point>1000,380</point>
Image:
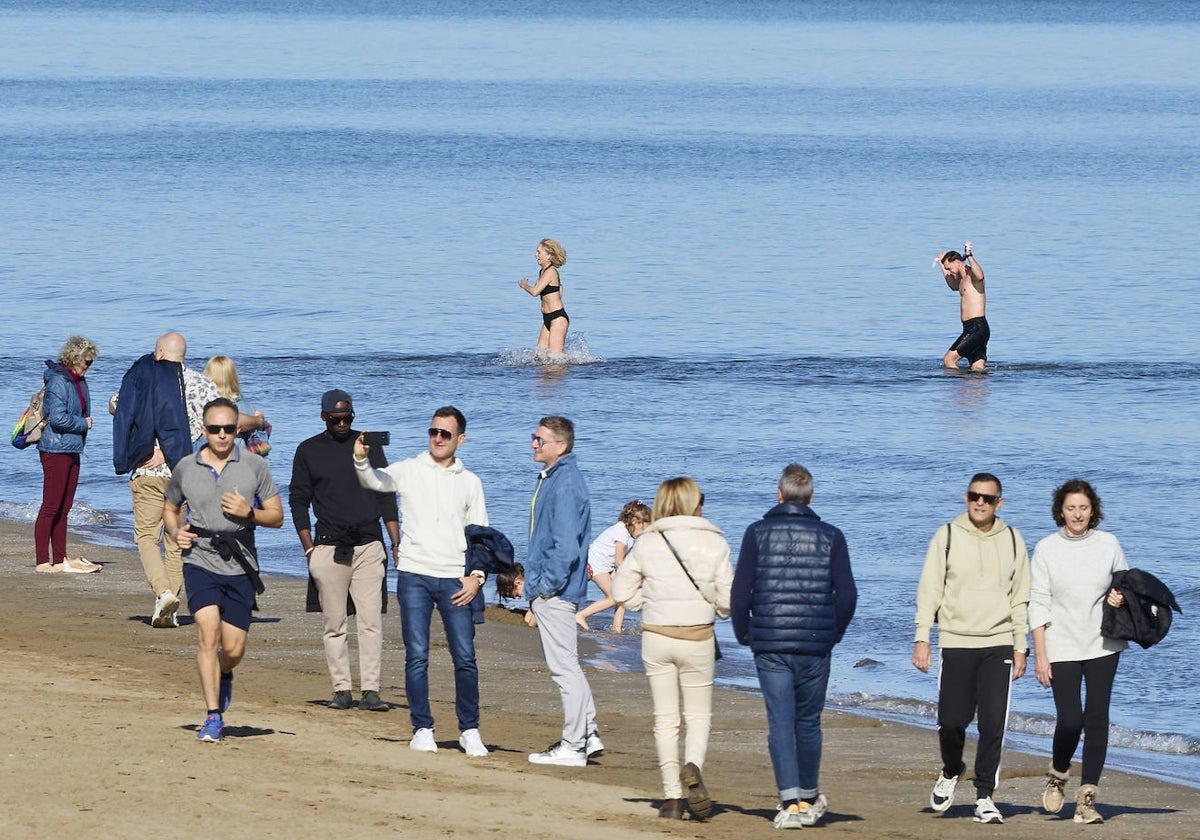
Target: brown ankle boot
<point>1085,805</point>
<point>672,809</point>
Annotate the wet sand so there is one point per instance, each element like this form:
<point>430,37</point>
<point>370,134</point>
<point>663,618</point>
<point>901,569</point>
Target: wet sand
<point>103,711</point>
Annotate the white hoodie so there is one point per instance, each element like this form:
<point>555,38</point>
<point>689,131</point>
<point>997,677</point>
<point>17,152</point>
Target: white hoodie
<point>436,506</point>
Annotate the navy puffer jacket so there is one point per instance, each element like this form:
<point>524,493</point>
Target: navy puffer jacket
<point>793,591</point>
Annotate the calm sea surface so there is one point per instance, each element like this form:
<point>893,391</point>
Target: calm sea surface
<point>750,194</point>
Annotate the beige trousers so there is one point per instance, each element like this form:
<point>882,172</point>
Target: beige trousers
<point>679,667</point>
<point>162,573</point>
<point>362,579</point>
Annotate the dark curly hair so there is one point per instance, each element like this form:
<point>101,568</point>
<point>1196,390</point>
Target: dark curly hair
<point>1076,485</point>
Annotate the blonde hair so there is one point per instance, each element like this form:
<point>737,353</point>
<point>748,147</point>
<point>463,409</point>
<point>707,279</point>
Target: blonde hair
<point>223,372</point>
<point>76,350</point>
<point>558,254</point>
<point>677,497</point>
<point>634,511</point>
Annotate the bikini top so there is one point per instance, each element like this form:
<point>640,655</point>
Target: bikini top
<point>549,290</point>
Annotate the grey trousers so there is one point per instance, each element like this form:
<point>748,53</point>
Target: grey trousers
<point>560,645</point>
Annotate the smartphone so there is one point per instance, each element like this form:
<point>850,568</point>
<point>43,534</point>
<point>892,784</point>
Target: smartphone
<point>377,438</point>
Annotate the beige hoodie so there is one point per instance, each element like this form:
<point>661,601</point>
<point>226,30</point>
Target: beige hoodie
<point>979,595</point>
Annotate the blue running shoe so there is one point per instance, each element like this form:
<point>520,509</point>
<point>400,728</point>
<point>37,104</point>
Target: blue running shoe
<point>211,730</point>
<point>225,693</point>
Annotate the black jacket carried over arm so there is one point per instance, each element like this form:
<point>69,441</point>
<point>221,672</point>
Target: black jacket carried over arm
<point>1145,617</point>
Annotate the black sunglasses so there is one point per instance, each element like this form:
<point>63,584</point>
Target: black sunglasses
<point>217,428</point>
<point>972,496</point>
<point>338,419</point>
<point>443,434</point>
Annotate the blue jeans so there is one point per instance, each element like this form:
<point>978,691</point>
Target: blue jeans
<point>793,689</point>
<point>418,595</point>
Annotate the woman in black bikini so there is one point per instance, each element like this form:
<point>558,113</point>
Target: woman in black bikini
<point>550,256</point>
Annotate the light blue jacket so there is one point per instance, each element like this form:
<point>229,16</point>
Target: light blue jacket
<point>66,427</point>
<point>556,563</point>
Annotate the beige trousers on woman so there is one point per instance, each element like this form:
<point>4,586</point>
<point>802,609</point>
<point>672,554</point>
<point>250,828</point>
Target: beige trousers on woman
<point>675,667</point>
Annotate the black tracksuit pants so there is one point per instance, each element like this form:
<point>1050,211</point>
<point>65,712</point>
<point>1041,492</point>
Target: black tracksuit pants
<point>974,680</point>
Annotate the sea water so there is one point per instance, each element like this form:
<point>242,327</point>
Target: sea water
<point>341,194</point>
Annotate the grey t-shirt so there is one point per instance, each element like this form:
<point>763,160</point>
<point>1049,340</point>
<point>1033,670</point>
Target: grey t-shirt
<point>198,484</point>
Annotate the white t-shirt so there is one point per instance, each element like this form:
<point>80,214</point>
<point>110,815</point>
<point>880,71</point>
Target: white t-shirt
<point>602,553</point>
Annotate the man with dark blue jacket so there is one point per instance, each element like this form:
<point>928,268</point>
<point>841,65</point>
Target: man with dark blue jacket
<point>793,597</point>
<point>157,417</point>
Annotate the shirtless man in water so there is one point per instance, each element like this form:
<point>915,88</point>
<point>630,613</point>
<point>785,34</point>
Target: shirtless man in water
<point>964,275</point>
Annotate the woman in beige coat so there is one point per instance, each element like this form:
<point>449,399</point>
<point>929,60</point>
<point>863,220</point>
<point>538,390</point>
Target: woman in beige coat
<point>679,576</point>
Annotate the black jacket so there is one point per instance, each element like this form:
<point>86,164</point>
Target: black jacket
<point>1145,617</point>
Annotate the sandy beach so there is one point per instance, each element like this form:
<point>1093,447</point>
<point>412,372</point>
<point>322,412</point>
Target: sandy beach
<point>105,710</point>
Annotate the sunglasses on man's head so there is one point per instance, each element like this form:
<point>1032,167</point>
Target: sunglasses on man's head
<point>217,428</point>
<point>988,498</point>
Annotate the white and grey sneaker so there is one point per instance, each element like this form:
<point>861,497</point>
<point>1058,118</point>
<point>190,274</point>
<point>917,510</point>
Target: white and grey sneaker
<point>943,793</point>
<point>472,743</point>
<point>165,606</point>
<point>423,741</point>
<point>594,745</point>
<point>812,812</point>
<point>788,817</point>
<point>986,812</point>
<point>560,754</point>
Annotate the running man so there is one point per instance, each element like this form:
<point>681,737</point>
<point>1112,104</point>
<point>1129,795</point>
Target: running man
<point>964,275</point>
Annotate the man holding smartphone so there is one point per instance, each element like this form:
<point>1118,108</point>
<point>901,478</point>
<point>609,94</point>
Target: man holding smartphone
<point>347,563</point>
<point>439,498</point>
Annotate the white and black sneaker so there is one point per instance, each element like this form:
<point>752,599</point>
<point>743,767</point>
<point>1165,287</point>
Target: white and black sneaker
<point>560,754</point>
<point>986,811</point>
<point>943,793</point>
<point>594,745</point>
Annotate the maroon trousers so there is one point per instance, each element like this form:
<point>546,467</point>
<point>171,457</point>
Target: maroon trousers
<point>60,477</point>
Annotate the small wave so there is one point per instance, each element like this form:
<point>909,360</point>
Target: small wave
<point>576,352</point>
<point>81,514</point>
<point>1168,743</point>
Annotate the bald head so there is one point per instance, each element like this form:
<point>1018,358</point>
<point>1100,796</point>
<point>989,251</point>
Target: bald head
<point>170,346</point>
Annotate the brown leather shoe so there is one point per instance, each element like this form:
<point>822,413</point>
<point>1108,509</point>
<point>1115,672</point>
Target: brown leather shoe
<point>697,793</point>
<point>672,809</point>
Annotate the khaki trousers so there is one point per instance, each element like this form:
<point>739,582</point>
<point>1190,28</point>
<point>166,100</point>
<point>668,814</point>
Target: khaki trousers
<point>162,573</point>
<point>362,579</point>
<point>679,667</point>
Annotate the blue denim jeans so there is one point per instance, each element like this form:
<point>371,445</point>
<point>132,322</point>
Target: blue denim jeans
<point>793,689</point>
<point>418,595</point>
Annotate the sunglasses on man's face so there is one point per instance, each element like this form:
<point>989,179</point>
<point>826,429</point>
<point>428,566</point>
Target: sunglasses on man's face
<point>441,434</point>
<point>987,498</point>
<point>217,428</point>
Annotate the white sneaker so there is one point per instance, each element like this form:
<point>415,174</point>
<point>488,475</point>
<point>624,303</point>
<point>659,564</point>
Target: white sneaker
<point>165,606</point>
<point>594,745</point>
<point>810,814</point>
<point>422,741</point>
<point>561,755</point>
<point>472,743</point>
<point>986,812</point>
<point>786,818</point>
<point>943,793</point>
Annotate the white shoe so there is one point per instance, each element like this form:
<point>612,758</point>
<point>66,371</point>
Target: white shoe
<point>472,743</point>
<point>79,566</point>
<point>422,741</point>
<point>594,745</point>
<point>787,818</point>
<point>811,814</point>
<point>943,793</point>
<point>165,606</point>
<point>561,755</point>
<point>986,812</point>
